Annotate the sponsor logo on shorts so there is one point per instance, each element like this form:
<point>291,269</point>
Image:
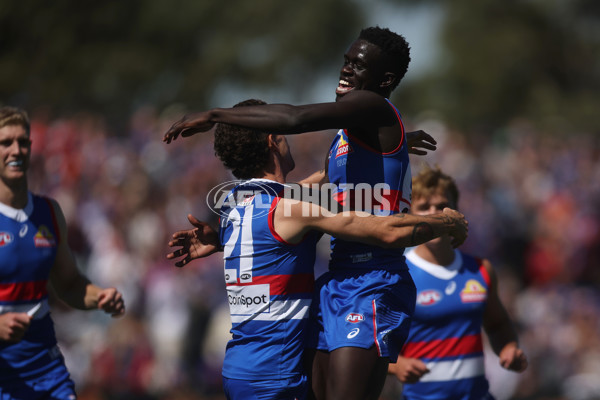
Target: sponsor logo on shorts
<point>355,318</point>
<point>352,334</point>
<point>473,292</point>
<point>428,297</point>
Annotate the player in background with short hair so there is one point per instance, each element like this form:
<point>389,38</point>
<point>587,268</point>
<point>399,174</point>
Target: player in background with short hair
<point>35,258</point>
<point>269,245</point>
<point>457,296</point>
<point>366,282</point>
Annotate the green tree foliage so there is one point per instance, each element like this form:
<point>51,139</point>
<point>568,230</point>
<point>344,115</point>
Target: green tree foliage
<point>111,56</point>
<point>521,58</point>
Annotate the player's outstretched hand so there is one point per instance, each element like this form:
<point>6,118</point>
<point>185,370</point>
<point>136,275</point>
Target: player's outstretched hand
<point>419,142</point>
<point>188,126</point>
<point>111,302</point>
<point>459,226</point>
<point>409,370</point>
<point>13,326</point>
<point>201,241</point>
<point>513,358</point>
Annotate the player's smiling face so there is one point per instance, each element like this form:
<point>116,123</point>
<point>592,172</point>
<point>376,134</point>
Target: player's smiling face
<point>15,148</point>
<point>362,69</point>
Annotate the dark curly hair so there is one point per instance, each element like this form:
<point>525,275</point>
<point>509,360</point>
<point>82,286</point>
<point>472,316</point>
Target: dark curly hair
<point>242,150</point>
<point>392,45</point>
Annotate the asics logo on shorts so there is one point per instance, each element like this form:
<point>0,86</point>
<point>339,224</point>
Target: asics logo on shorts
<point>353,333</point>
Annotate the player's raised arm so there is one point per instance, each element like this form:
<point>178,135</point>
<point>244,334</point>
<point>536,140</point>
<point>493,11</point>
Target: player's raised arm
<point>358,109</point>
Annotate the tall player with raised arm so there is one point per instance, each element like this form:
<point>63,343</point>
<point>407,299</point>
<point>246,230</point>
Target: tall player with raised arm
<point>371,148</point>
<point>269,249</point>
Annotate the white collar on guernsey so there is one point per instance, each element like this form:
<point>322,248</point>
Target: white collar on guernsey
<point>19,215</point>
<point>439,271</point>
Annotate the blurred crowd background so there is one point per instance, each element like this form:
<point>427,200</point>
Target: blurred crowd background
<point>509,90</point>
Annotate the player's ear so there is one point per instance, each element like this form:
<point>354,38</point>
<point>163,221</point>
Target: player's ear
<point>272,142</point>
<point>389,78</point>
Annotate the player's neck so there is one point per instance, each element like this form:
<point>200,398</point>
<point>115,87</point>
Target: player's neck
<point>277,177</point>
<point>274,171</point>
<point>14,195</point>
<point>439,253</point>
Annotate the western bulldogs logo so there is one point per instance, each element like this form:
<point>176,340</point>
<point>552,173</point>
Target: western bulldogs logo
<point>343,148</point>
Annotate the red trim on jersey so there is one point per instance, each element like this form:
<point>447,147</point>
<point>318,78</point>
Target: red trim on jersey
<point>371,149</point>
<point>391,198</point>
<point>272,223</point>
<point>469,344</point>
<point>283,284</point>
<point>484,272</point>
<point>33,290</point>
<point>271,220</point>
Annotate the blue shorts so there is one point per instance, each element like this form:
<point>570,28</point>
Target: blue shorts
<point>362,309</point>
<point>55,384</point>
<point>295,388</point>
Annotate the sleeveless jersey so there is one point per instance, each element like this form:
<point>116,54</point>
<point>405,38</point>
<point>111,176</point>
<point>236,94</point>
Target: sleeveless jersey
<point>368,180</point>
<point>445,332</point>
<point>28,244</point>
<point>269,286</point>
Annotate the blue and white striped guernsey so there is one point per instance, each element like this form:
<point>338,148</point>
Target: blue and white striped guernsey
<point>269,286</point>
<point>28,243</point>
<point>445,332</point>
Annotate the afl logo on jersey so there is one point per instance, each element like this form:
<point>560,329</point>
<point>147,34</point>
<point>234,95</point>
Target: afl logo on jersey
<point>428,297</point>
<point>354,318</point>
<point>6,238</point>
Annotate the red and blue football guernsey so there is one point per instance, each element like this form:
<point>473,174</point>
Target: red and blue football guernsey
<point>269,286</point>
<point>368,180</point>
<point>28,244</point>
<point>445,332</point>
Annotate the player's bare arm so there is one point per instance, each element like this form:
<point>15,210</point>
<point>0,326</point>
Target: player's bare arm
<point>360,109</point>
<point>71,286</point>
<point>499,329</point>
<point>449,222</point>
<point>293,219</point>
